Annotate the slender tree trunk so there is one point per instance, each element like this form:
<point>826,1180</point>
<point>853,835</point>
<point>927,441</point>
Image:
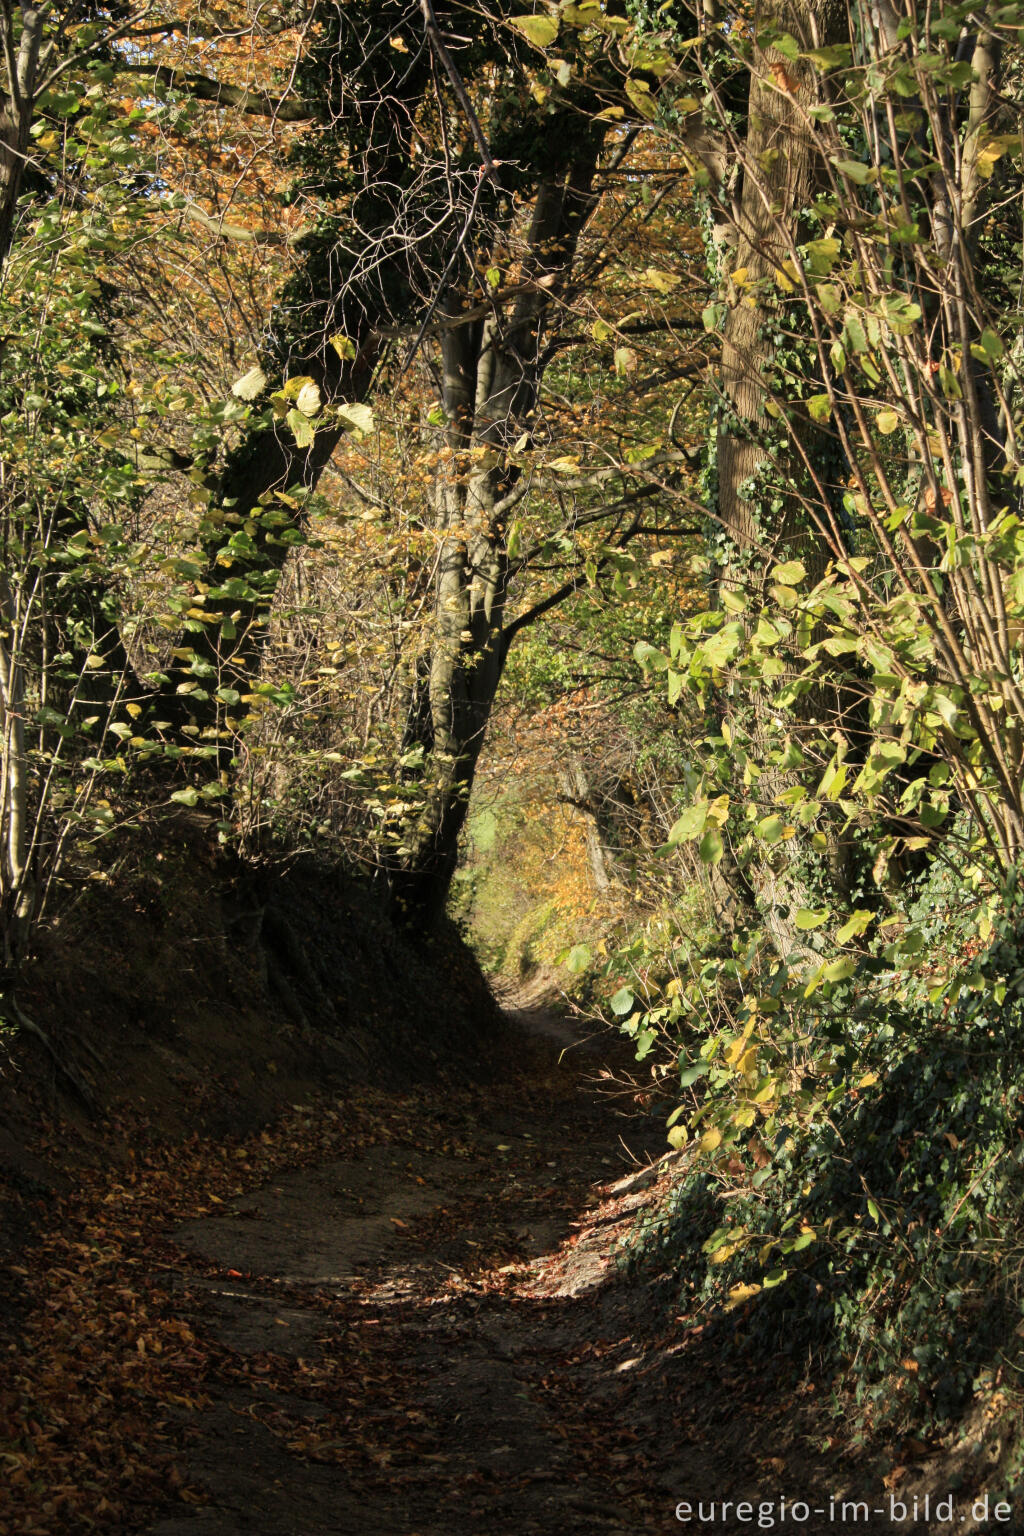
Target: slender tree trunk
<point>766,499</point>
<point>17,109</point>
<point>491,378</point>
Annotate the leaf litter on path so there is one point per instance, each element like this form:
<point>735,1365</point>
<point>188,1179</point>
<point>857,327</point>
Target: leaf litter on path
<point>387,1314</point>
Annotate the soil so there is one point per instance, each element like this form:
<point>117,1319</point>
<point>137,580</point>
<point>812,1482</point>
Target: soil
<point>443,1341</point>
<point>399,1309</point>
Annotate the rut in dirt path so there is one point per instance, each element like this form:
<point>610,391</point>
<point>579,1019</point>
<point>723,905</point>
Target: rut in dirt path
<point>435,1343</point>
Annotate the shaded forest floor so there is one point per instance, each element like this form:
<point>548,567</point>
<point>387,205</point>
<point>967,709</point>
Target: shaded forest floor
<point>396,1315</point>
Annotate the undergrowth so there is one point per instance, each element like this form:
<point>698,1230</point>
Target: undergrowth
<point>885,1239</point>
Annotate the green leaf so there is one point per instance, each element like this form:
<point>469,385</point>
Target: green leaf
<point>991,345</point>
<point>690,824</point>
<point>723,646</point>
<point>823,254</point>
<point>302,428</point>
<point>854,335</point>
<point>578,959</point>
<point>711,846</point>
<point>901,313</point>
<point>790,574</point>
<point>840,970</point>
<point>541,31</point>
<point>833,57</point>
<point>819,407</point>
<point>622,1001</point>
<point>649,657</point>
<point>639,93</point>
<point>855,925</point>
<point>358,416</point>
<point>949,383</point>
<point>855,170</point>
<point>808,918</point>
<point>771,829</point>
<point>185,796</point>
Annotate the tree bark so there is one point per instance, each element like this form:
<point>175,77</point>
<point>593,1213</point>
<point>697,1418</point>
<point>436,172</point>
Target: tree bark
<point>766,499</point>
<point>491,378</point>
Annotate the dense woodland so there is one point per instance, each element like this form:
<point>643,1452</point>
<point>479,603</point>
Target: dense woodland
<point>560,466</point>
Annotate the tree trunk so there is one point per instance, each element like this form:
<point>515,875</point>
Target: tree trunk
<point>491,378</point>
<point>770,503</point>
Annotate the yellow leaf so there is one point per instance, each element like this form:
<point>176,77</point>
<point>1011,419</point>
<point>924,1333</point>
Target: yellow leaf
<point>711,1139</point>
<point>735,1050</point>
<point>539,30</point>
<point>739,1294</point>
<point>661,282</point>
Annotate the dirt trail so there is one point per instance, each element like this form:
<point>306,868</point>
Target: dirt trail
<point>439,1344</point>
